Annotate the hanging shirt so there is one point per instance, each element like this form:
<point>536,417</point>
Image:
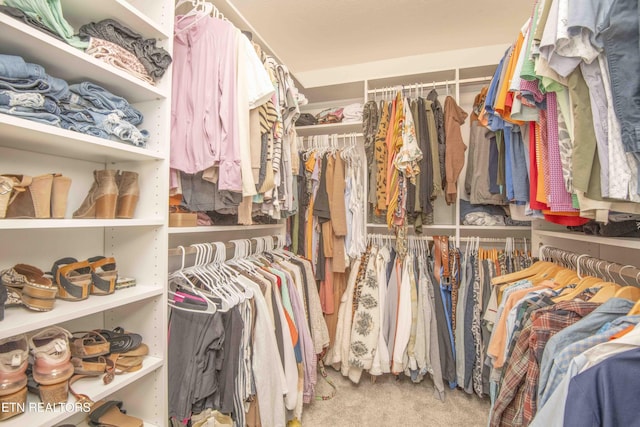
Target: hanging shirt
<point>204,122</point>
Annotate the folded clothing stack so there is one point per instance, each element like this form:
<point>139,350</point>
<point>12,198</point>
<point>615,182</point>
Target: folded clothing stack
<point>330,115</point>
<point>27,91</point>
<point>155,60</point>
<point>352,113</point>
<point>49,14</point>
<point>108,40</point>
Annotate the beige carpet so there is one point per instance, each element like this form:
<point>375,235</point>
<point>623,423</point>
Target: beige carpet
<point>391,403</point>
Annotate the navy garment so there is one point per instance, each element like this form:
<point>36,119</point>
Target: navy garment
<point>606,394</point>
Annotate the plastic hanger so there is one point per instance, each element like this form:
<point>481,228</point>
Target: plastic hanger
<point>201,9</point>
<point>210,278</point>
<point>210,308</point>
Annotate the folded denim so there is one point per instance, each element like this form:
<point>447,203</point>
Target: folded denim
<point>32,100</point>
<point>21,76</point>
<point>31,114</point>
<point>155,59</point>
<point>86,127</point>
<point>49,12</point>
<point>21,16</point>
<point>104,101</point>
<point>118,57</point>
<point>115,124</point>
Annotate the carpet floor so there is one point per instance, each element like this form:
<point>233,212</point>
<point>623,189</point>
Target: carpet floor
<point>388,402</point>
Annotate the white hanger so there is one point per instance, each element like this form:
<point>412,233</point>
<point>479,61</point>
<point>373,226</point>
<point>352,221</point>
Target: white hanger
<point>211,307</point>
<point>201,9</point>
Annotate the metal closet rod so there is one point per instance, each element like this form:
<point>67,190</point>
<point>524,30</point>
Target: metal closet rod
<point>432,84</point>
<point>190,250</point>
<point>462,239</point>
<point>588,265</point>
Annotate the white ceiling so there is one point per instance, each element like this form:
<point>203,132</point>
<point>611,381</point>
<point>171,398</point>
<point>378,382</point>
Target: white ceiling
<point>317,34</point>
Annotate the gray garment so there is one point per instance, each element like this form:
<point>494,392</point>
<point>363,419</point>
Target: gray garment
<point>593,78</point>
<point>438,113</point>
<point>460,317</point>
<point>621,36</point>
<point>200,196</point>
<point>233,326</point>
<point>477,177</point>
<point>489,273</point>
<point>155,59</point>
<point>447,362</point>
<point>469,350</point>
<point>433,345</point>
<point>195,349</point>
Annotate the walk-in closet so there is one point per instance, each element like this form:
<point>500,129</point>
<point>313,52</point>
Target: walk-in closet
<point>337,213</point>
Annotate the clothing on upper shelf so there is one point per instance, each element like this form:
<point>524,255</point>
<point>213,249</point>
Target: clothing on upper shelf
<point>49,13</point>
<point>28,92</point>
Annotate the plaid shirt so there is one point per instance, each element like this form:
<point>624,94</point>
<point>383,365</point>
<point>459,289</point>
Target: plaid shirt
<point>516,402</point>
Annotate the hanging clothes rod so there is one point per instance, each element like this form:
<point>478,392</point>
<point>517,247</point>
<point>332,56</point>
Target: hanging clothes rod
<point>587,265</point>
<point>431,85</point>
<point>189,252</point>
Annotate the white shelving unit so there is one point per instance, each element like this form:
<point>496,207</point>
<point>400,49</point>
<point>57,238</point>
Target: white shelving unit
<point>328,129</point>
<point>616,249</point>
<point>139,245</point>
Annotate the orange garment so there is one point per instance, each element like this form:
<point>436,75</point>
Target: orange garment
<point>339,287</point>
<point>389,142</point>
<point>622,333</point>
<point>326,290</point>
<point>393,187</point>
<point>499,335</point>
<point>505,84</point>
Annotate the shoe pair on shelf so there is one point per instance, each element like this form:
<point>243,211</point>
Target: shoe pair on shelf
<point>76,280</point>
<point>113,194</point>
<point>112,352</point>
<point>43,196</point>
<point>71,280</point>
<point>51,368</point>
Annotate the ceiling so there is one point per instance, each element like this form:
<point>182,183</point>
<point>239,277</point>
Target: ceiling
<point>317,34</point>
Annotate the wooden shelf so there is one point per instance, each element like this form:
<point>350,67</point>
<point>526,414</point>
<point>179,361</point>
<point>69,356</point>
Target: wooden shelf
<point>66,62</point>
<point>620,242</point>
<point>28,224</point>
<point>329,129</point>
<point>20,320</point>
<point>94,388</point>
<point>37,137</point>
<point>76,12</point>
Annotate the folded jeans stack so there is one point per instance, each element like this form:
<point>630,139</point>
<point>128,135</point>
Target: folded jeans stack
<point>27,91</point>
<point>155,59</point>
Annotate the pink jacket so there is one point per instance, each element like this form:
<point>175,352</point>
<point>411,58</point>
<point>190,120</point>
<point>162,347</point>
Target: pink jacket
<point>203,121</point>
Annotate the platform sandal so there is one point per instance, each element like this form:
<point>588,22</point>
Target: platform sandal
<point>89,344</point>
<point>94,366</point>
<point>104,275</point>
<point>73,279</point>
<point>103,412</point>
<point>14,360</point>
<point>52,366</point>
<point>121,341</point>
<point>34,289</point>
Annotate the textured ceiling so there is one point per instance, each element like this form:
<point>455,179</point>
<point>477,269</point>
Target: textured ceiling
<point>316,34</point>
